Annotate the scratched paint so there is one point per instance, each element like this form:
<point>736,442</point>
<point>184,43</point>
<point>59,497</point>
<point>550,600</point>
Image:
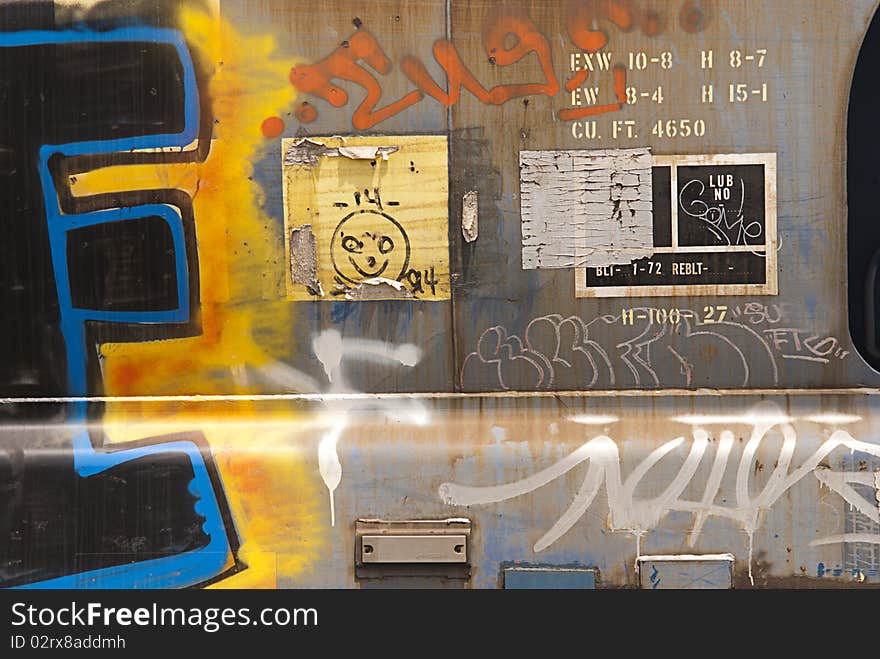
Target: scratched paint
<point>686,572</point>
<point>304,259</point>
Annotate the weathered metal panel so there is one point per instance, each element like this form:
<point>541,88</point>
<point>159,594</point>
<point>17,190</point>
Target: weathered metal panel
<point>686,572</point>
<point>809,92</point>
<point>555,578</point>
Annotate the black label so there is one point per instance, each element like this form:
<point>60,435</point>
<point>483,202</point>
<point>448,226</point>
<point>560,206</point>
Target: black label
<point>721,206</point>
<point>717,213</point>
<point>708,268</point>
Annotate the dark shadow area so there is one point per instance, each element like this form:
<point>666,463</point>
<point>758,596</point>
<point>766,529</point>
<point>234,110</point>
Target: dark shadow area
<point>863,194</point>
<point>53,523</point>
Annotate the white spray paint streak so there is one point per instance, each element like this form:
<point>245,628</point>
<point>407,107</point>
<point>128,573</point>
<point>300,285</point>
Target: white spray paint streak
<point>332,350</point>
<point>463,495</point>
<point>722,455</point>
<point>327,347</point>
<point>639,516</point>
<point>329,465</point>
<point>839,482</point>
<point>582,500</point>
<point>289,377</point>
<point>776,481</point>
<point>867,538</point>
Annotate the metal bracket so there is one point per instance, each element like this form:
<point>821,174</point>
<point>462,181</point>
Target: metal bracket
<point>424,548</point>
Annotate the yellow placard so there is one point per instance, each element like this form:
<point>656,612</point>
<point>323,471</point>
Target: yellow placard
<point>366,217</point>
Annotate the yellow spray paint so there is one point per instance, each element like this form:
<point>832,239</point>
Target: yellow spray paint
<point>270,487</point>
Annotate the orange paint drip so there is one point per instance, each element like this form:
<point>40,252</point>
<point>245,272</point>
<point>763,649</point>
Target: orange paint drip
<point>692,17</point>
<point>529,40</point>
<point>652,23</point>
<point>578,79</point>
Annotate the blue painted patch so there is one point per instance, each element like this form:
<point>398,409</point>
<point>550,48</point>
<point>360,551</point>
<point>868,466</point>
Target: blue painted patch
<point>190,567</point>
<point>549,578</point>
<point>340,311</point>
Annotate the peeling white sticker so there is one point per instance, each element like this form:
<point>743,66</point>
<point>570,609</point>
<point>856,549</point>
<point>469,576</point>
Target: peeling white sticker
<point>378,288</point>
<point>306,152</point>
<point>585,208</point>
<point>470,216</point>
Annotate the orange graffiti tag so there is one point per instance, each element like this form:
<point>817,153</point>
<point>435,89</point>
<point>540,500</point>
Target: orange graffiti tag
<point>527,40</point>
<point>508,37</point>
<point>342,64</point>
<point>584,16</point>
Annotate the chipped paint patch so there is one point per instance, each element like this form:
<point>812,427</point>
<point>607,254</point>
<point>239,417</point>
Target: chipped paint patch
<point>470,215</point>
<point>586,208</point>
<point>304,259</point>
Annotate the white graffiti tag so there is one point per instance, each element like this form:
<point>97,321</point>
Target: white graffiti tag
<point>571,353</point>
<point>638,516</point>
<point>332,350</point>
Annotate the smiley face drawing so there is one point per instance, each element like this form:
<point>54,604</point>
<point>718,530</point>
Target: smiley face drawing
<point>369,244</point>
